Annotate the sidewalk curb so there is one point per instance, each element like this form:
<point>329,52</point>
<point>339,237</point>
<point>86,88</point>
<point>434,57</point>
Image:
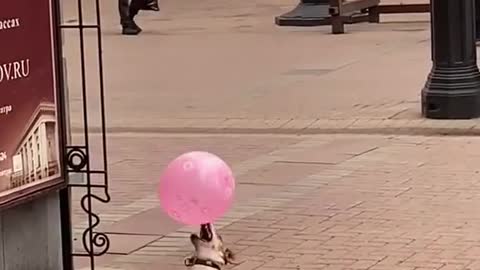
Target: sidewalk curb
<point>306,127</point>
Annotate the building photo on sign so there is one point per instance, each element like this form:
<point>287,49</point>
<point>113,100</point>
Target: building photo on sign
<point>29,132</point>
<point>34,156</point>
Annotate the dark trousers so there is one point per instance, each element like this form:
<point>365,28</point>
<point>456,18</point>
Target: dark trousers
<point>128,10</point>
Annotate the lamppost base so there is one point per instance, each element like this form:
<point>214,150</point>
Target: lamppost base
<point>452,93</point>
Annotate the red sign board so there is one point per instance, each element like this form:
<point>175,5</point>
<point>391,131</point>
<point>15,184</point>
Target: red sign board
<point>30,125</point>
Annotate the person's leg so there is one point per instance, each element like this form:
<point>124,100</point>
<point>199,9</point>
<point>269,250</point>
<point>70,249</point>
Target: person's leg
<point>135,7</point>
<point>129,27</point>
<point>151,5</point>
<point>123,8</point>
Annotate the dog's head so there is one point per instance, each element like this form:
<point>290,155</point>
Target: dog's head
<point>209,246</point>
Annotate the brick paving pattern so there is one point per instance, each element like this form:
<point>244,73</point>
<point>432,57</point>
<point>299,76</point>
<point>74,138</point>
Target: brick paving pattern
<point>361,125</point>
<point>304,200</point>
<point>314,95</point>
<point>256,70</point>
<point>390,203</point>
<point>135,164</point>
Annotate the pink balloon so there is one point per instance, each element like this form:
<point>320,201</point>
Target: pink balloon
<point>196,188</point>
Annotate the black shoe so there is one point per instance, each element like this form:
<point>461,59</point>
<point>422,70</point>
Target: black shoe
<point>131,29</point>
<point>151,5</point>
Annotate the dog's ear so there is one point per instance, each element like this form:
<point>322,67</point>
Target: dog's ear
<point>195,239</point>
<point>229,257</point>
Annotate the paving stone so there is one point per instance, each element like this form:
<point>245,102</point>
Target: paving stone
<point>396,234</point>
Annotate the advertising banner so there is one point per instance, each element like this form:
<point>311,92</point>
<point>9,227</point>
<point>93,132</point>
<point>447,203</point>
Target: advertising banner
<point>30,125</point>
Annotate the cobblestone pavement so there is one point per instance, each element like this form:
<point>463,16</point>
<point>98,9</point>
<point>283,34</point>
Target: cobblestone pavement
<point>137,161</point>
<point>329,91</point>
<point>304,201</point>
<point>253,67</point>
<point>359,125</point>
<point>354,202</point>
<point>135,164</point>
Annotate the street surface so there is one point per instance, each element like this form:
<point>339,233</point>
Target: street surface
<point>335,167</point>
<point>211,64</point>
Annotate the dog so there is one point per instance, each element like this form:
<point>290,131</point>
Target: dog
<point>210,254</point>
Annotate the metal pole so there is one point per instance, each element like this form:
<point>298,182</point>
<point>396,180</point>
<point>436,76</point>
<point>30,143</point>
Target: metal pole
<point>453,85</point>
<point>477,19</point>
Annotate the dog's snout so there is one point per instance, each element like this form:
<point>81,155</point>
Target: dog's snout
<point>206,232</point>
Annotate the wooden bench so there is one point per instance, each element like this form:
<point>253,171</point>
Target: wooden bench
<point>367,10</point>
<point>337,13</point>
<point>374,12</point>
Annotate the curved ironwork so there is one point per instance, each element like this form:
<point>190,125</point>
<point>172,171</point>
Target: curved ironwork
<point>78,157</point>
<point>90,238</point>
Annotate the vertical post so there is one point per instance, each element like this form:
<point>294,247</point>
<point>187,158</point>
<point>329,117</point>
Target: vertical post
<point>453,85</point>
<point>477,19</point>
<point>336,13</point>
<point>66,229</point>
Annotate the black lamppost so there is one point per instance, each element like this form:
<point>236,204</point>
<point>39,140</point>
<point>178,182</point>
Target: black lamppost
<point>306,13</point>
<point>452,90</point>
